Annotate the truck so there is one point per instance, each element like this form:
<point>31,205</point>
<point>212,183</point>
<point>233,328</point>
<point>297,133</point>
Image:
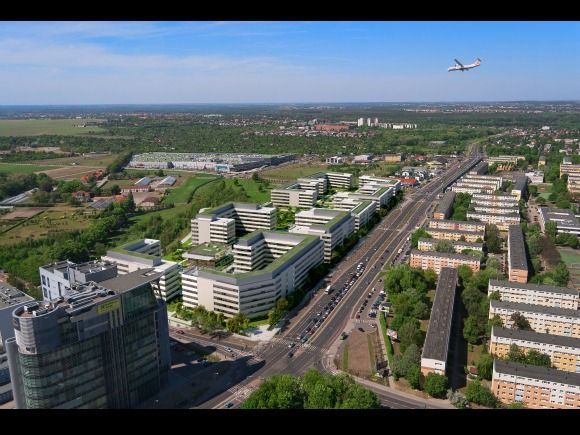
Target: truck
<point>328,290</point>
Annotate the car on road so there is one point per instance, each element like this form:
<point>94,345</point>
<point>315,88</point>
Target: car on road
<point>358,316</point>
<point>228,349</point>
<point>179,331</point>
<point>361,329</point>
<point>343,335</point>
<point>229,405</point>
<point>290,354</point>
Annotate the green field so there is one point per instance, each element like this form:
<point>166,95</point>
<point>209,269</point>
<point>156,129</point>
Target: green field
<point>252,189</point>
<point>97,161</point>
<point>14,168</point>
<point>180,195</point>
<point>291,172</point>
<point>37,127</point>
<point>570,256</point>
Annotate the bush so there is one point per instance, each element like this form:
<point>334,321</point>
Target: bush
<point>436,385</point>
<point>480,394</point>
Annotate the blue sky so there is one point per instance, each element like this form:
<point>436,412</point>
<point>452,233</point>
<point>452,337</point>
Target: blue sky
<point>277,62</point>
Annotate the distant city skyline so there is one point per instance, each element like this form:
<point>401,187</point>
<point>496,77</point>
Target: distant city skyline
<point>144,63</point>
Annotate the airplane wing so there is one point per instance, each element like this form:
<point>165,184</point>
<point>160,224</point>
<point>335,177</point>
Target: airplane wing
<point>458,63</point>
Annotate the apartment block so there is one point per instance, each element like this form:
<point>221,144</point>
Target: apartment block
<point>495,209</point>
<point>484,179</point>
<point>505,159</point>
<point>520,188</point>
<point>143,254</point>
<point>545,320</point>
<point>101,346</point>
<point>267,266</point>
<point>574,183</point>
<point>497,198</point>
<point>438,260</point>
<point>502,221</point>
<point>248,217</point>
<point>295,195</point>
<point>436,347</point>
<point>535,387</point>
<point>58,278</point>
<point>569,169</point>
<point>517,258</point>
<point>471,189</point>
<point>430,245</point>
<point>564,352</point>
<point>566,221</point>
<point>362,211</point>
<point>445,206</point>
<point>455,235</point>
<point>393,158</point>
<point>332,226</point>
<point>455,225</point>
<point>537,294</point>
<point>213,230</point>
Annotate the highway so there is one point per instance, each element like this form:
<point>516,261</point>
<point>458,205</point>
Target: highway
<point>381,246</point>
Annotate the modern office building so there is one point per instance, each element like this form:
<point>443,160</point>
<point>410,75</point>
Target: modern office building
<point>537,294</point>
<point>10,299</point>
<point>362,211</point>
<point>267,266</point>
<point>564,352</point>
<point>369,192</point>
<point>382,181</point>
<point>438,260</point>
<point>502,221</point>
<point>430,245</point>
<point>517,258</point>
<point>443,234</point>
<point>248,217</point>
<point>342,180</point>
<point>143,254</point>
<point>535,387</point>
<point>455,225</point>
<point>295,195</point>
<point>436,347</point>
<point>101,346</point>
<point>332,226</point>
<point>545,320</point>
<point>566,221</point>
<point>318,181</point>
<point>57,278</point>
<point>445,206</point>
<point>213,230</point>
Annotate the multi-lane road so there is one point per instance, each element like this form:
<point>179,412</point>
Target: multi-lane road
<point>385,244</point>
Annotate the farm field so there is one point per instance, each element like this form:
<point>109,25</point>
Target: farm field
<point>252,189</point>
<point>96,161</point>
<point>52,220</point>
<point>37,127</point>
<point>291,172</point>
<point>15,168</point>
<point>68,172</point>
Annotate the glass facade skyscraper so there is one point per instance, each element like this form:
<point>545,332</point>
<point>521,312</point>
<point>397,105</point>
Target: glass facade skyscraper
<point>100,346</point>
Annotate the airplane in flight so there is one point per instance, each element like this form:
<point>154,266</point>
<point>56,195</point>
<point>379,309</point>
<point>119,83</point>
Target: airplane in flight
<point>460,67</point>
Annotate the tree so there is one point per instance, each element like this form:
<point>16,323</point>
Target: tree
<point>550,229</point>
<point>478,393</point>
<point>160,173</point>
<point>444,246</point>
<point>414,376</point>
<point>471,330</point>
<point>115,189</point>
<point>520,321</point>
<point>560,274</point>
<point>493,238</point>
<point>516,354</point>
<point>492,263</point>
<point>485,366</point>
<point>436,385</point>
<point>538,359</point>
<point>420,233</point>
<point>410,333</point>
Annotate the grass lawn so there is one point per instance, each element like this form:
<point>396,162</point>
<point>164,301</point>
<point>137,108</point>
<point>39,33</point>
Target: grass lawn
<point>292,172</point>
<point>252,189</point>
<point>475,354</point>
<point>36,127</point>
<point>259,322</point>
<point>371,353</point>
<point>180,195</point>
<point>15,168</point>
<point>96,161</point>
<point>569,256</point>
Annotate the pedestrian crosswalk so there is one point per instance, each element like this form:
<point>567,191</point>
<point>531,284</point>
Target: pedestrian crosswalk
<point>287,341</point>
<point>240,390</point>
